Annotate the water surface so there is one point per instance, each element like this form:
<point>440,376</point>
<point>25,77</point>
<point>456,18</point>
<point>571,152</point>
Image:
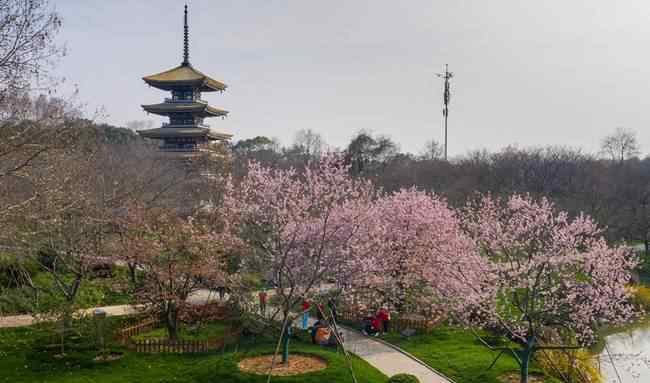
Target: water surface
<point>630,356</point>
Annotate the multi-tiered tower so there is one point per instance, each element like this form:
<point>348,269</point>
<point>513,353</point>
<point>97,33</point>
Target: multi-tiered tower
<point>185,131</point>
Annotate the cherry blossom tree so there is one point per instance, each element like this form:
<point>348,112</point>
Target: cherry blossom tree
<point>542,277</point>
<point>416,238</point>
<point>175,257</point>
<point>300,226</point>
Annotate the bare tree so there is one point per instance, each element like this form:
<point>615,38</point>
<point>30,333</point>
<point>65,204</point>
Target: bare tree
<point>27,32</point>
<point>29,126</point>
<point>432,150</point>
<point>308,143</point>
<point>620,145</point>
<point>42,125</point>
<point>139,124</point>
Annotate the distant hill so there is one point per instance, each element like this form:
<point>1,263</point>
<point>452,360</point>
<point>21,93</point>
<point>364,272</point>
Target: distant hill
<point>116,135</point>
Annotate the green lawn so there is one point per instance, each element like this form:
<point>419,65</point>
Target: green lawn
<point>203,332</point>
<point>456,353</point>
<point>19,362</point>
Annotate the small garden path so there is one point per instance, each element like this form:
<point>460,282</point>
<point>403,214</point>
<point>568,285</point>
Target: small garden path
<point>28,320</point>
<point>198,297</point>
<point>387,359</point>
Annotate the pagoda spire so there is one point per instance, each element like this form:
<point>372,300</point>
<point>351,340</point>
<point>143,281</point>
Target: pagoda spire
<point>186,42</point>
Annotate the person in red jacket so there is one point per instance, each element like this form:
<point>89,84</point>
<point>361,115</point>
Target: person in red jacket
<point>384,316</point>
<point>376,326</point>
<point>262,295</point>
<point>305,313</point>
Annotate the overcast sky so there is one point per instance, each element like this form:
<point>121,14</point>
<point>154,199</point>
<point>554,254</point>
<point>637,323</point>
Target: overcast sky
<point>527,72</point>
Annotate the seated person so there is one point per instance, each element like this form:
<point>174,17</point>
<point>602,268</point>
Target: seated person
<point>371,326</point>
<point>376,326</point>
<point>315,327</point>
<point>323,335</point>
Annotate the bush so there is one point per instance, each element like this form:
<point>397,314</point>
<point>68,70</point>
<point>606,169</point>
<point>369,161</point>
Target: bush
<point>403,378</point>
<point>13,269</point>
<point>578,365</point>
<point>16,301</point>
<point>642,297</point>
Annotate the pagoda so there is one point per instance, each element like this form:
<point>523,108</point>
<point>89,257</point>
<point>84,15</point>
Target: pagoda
<point>185,131</point>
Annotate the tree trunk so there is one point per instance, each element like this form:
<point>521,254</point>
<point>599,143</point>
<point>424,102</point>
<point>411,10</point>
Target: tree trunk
<point>525,355</point>
<point>132,274</point>
<point>285,345</point>
<point>287,333</point>
<point>171,320</point>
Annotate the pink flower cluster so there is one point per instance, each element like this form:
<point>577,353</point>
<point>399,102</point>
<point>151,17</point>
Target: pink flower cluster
<point>544,271</point>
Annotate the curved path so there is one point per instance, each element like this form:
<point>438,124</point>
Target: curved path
<point>387,359</point>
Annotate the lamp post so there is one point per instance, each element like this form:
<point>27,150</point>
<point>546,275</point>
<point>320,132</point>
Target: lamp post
<point>100,316</point>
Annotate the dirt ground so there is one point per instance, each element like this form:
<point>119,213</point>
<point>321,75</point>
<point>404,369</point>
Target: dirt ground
<point>298,364</point>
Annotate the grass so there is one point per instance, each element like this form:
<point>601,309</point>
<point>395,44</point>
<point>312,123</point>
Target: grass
<point>458,354</point>
<point>95,292</point>
<point>203,332</point>
<point>21,361</point>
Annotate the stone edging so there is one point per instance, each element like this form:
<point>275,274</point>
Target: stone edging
<point>405,353</point>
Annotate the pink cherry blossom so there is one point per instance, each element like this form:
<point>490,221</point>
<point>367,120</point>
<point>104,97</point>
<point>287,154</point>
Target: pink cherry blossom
<point>543,276</point>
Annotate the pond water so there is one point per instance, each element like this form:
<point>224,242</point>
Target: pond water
<point>630,357</point>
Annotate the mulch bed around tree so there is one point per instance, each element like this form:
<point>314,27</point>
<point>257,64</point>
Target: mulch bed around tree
<point>298,364</point>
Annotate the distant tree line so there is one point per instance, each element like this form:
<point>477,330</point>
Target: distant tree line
<point>613,186</point>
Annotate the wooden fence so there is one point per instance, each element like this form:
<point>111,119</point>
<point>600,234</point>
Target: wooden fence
<point>125,334</point>
<point>125,337</point>
<point>176,346</point>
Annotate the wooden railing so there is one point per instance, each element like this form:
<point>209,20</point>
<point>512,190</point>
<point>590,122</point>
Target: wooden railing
<point>125,337</point>
<point>125,334</point>
<point>176,346</point>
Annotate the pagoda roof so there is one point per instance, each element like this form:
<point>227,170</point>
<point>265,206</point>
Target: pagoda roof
<point>170,131</point>
<point>184,75</point>
<point>200,109</point>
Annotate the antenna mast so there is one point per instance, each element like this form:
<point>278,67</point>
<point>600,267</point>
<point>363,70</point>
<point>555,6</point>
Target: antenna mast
<point>447,75</point>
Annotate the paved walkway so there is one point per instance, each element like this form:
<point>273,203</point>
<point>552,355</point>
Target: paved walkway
<point>201,296</point>
<point>28,320</point>
<point>383,357</point>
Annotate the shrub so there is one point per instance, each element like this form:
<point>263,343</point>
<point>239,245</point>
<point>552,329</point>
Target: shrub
<point>13,269</point>
<point>642,297</point>
<point>16,301</point>
<point>403,378</point>
<point>575,365</point>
